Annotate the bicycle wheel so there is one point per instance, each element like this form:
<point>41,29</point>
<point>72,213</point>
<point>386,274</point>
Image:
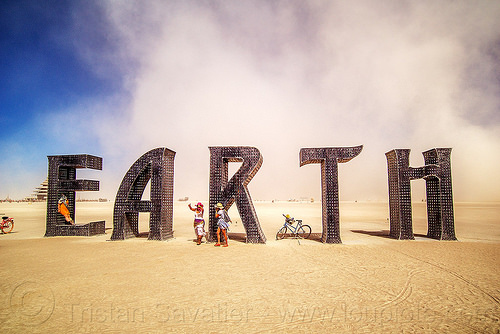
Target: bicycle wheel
<point>7,225</point>
<point>304,231</point>
<point>281,233</point>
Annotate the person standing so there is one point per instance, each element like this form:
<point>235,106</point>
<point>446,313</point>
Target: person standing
<point>199,222</point>
<point>222,224</point>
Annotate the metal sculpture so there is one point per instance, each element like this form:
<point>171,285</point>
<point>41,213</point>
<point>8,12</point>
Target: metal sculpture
<point>329,157</point>
<point>156,165</point>
<point>62,182</point>
<point>437,174</point>
<point>227,191</point>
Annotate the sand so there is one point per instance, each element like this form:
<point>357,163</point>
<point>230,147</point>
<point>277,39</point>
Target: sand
<point>370,283</point>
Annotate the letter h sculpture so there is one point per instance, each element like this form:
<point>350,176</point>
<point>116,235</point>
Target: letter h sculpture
<point>437,174</point>
<point>62,181</point>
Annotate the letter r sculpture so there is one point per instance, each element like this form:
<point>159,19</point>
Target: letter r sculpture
<point>227,192</point>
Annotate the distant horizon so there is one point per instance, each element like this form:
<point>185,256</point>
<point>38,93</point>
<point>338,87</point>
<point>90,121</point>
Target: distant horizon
<point>302,201</point>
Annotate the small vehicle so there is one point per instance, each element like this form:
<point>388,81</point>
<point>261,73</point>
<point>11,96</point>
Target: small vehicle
<point>7,224</point>
<point>300,230</point>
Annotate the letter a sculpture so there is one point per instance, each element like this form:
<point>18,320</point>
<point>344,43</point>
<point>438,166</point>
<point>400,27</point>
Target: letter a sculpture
<point>158,166</point>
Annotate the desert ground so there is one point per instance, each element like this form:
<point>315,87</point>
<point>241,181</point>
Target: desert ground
<point>369,283</point>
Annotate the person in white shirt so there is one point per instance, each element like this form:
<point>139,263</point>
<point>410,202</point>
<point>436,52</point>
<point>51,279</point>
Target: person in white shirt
<point>199,222</point>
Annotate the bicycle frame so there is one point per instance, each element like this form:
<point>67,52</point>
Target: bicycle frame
<point>7,224</point>
<point>292,228</point>
<point>298,230</point>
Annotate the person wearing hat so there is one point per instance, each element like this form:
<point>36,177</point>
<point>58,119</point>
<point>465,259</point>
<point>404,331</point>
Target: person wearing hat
<point>199,222</point>
<point>222,224</point>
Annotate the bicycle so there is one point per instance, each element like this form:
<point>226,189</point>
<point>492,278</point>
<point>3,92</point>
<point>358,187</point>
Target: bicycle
<point>7,224</point>
<point>300,231</point>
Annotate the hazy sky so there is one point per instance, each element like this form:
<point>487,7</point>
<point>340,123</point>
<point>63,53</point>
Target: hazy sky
<point>118,78</point>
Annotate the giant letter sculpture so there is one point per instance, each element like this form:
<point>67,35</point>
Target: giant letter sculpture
<point>62,181</point>
<point>227,191</point>
<point>437,174</point>
<point>156,165</point>
<point>329,157</point>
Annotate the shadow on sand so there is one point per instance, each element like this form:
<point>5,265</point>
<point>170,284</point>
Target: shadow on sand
<point>242,237</point>
<point>385,234</point>
<point>380,233</point>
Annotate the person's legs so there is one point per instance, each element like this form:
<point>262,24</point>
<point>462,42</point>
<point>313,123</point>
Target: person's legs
<point>218,237</point>
<point>225,237</point>
<point>199,234</point>
<point>69,220</point>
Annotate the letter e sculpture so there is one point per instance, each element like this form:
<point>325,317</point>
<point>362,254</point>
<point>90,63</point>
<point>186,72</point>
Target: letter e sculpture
<point>62,181</point>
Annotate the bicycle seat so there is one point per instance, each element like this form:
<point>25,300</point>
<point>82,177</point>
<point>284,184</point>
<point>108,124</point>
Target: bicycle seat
<point>5,217</point>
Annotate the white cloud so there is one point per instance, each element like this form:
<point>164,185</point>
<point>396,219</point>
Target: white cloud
<point>285,75</point>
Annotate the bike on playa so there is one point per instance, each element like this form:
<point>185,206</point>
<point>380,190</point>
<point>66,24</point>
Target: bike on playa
<point>7,224</point>
<point>294,228</point>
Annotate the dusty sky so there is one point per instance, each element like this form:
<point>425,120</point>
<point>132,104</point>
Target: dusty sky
<point>118,78</point>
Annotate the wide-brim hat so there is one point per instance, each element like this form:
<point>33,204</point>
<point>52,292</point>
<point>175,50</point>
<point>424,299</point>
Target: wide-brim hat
<point>219,205</point>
